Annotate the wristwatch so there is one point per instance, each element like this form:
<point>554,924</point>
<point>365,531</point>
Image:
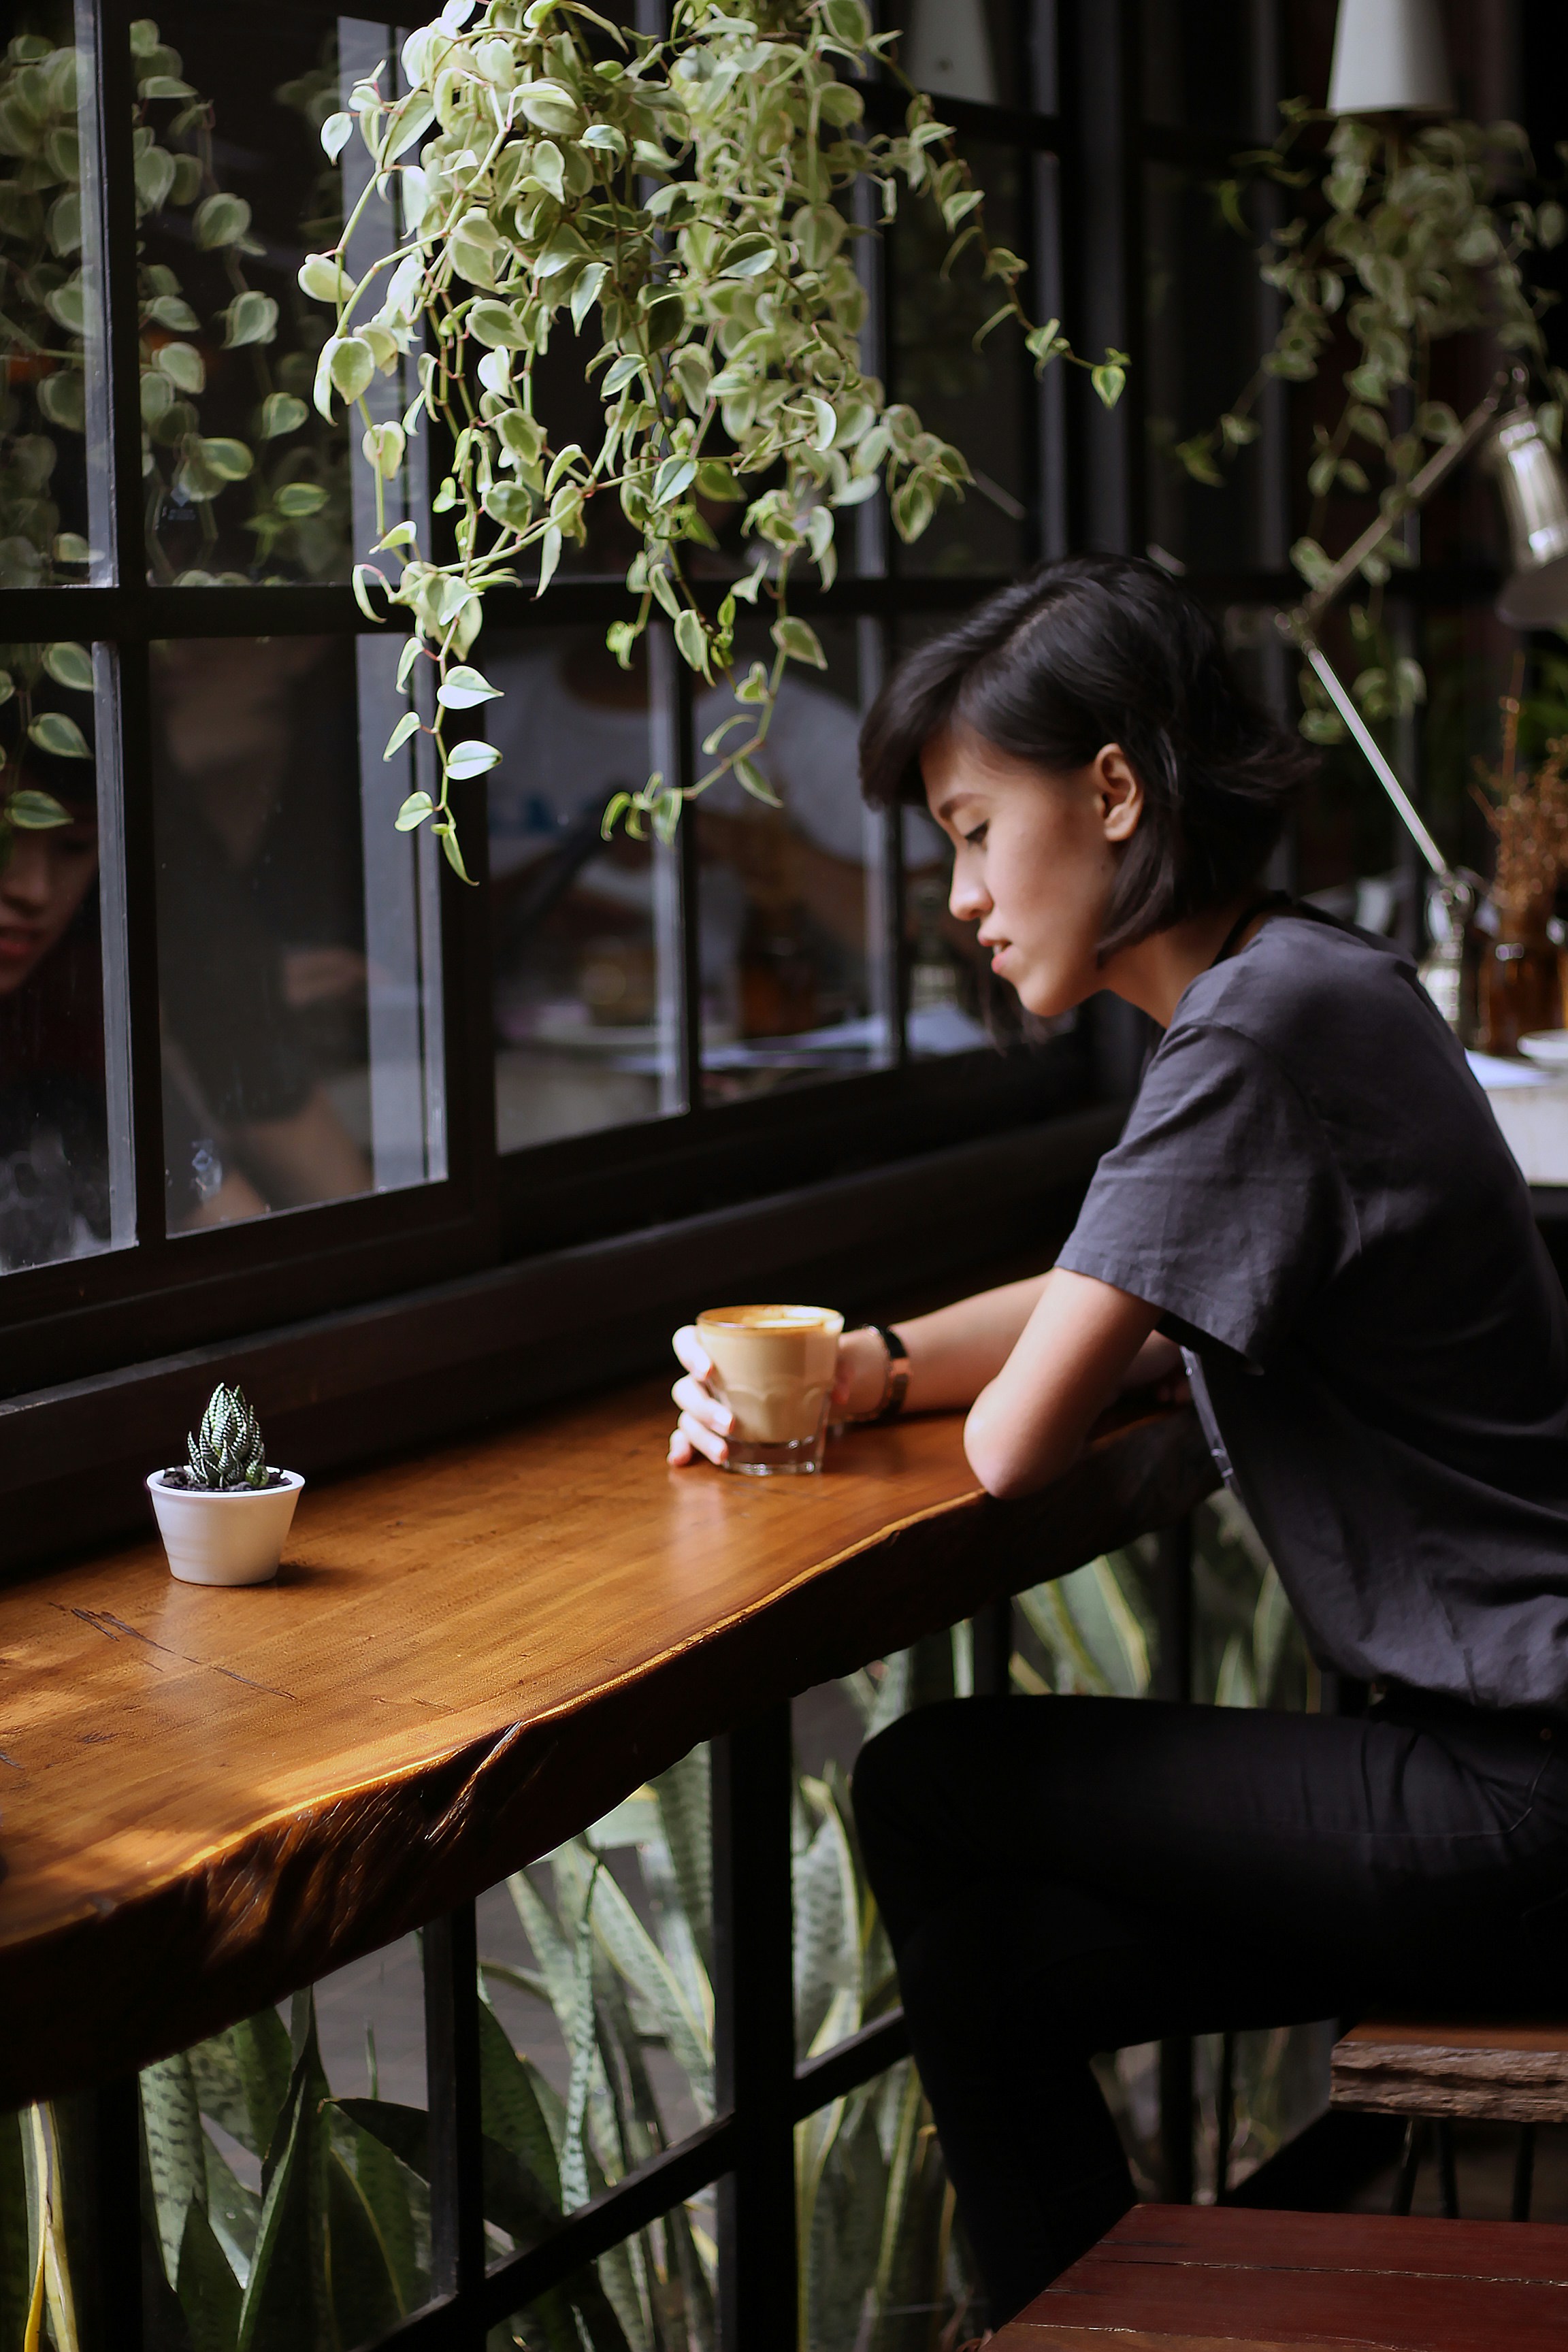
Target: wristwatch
<point>895,1385</point>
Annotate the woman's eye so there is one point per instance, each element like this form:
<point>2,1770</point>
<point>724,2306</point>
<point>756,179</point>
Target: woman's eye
<point>977,836</point>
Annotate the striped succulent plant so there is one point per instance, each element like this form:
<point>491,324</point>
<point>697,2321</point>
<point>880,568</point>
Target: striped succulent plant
<point>227,1451</point>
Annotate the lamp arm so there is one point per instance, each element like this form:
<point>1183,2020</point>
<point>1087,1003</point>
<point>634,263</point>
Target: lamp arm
<point>1437,469</point>
<point>1344,704</point>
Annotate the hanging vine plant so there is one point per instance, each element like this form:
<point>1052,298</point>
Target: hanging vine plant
<point>552,172</point>
<point>1420,236</point>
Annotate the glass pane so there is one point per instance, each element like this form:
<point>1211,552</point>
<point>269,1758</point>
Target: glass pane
<point>297,932</point>
<point>787,896</point>
<point>1197,267</point>
<point>982,400</point>
<point>583,931</point>
<point>870,2178</point>
<point>66,1187</point>
<point>952,992</point>
<point>246,480</point>
<point>641,1878</point>
<point>961,48</point>
<point>1197,64</point>
<point>54,479</point>
<point>331,2086</point>
<point>885,2258</point>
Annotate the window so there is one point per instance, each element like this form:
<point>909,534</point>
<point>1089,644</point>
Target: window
<point>259,1057</point>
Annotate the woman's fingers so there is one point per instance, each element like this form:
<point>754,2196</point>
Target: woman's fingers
<point>702,1405</point>
<point>691,1437</point>
<point>692,1351</point>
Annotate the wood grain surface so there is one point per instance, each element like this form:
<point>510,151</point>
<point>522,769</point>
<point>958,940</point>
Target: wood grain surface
<point>1213,2276</point>
<point>1510,2073</point>
<point>208,1797</point>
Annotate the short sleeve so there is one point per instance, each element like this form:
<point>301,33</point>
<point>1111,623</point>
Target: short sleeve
<point>1222,1205</point>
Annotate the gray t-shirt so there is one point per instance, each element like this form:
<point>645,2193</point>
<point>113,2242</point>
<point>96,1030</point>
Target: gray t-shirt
<point>1313,1189</point>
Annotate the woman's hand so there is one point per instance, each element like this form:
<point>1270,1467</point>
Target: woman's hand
<point>705,1424</point>
<point>706,1420</point>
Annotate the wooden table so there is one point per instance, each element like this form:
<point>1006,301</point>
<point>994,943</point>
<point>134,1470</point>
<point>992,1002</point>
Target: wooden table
<point>1197,2278</point>
<point>210,1798</point>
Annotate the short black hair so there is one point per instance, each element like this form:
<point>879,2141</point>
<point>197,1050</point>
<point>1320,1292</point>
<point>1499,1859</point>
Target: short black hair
<point>1098,649</point>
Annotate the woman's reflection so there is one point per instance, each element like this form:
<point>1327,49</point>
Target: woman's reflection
<point>260,927</point>
<point>53,1144</point>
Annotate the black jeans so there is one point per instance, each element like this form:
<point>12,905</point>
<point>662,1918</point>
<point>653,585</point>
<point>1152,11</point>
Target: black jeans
<point>1066,1875</point>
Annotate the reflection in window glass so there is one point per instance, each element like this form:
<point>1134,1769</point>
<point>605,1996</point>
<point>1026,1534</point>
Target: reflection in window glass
<point>960,48</point>
<point>978,400</point>
<point>245,480</point>
<point>54,527</point>
<point>783,894</point>
<point>584,990</point>
<point>65,1169</point>
<point>1193,268</point>
<point>1198,66</point>
<point>297,932</point>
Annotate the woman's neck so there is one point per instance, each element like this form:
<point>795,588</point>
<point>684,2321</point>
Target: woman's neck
<point>1155,973</point>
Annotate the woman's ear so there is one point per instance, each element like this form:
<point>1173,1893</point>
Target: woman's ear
<point>1118,792</point>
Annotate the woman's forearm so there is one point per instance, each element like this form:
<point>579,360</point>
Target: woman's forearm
<point>954,1353</point>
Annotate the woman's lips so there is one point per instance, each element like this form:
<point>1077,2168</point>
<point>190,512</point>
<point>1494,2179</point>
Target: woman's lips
<point>17,946</point>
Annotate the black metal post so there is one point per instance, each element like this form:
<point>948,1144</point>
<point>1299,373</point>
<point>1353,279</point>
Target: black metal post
<point>452,2073</point>
<point>116,2192</point>
<point>754,2032</point>
<point>1174,1680</point>
<point>992,1631</point>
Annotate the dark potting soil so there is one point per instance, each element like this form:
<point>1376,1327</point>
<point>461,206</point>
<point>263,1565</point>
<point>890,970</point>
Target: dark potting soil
<point>184,1478</point>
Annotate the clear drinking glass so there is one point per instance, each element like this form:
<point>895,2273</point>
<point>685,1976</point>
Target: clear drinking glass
<point>774,1367</point>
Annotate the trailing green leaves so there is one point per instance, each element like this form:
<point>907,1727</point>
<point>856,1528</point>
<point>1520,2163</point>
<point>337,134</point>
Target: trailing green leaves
<point>687,194</point>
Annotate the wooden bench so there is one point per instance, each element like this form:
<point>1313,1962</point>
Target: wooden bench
<point>1199,2277</point>
<point>1434,2071</point>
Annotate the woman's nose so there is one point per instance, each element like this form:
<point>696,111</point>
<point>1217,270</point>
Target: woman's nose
<point>968,899</point>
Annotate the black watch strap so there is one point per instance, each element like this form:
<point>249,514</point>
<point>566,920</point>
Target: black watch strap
<point>895,1387</point>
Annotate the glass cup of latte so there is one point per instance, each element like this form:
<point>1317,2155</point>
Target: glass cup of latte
<point>774,1367</point>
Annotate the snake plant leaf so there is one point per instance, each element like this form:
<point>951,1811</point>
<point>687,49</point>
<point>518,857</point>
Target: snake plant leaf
<point>842,2231</point>
<point>639,1962</point>
<point>233,2211</point>
<point>581,2042</point>
<point>242,2078</point>
<point>684,1805</point>
<point>827,1990</point>
<point>513,2199</point>
<point>551,1948</point>
<point>509,2111</point>
<point>210,2295</point>
<point>366,2296</point>
<point>280,2307</point>
<point>175,2144</point>
<point>397,2202</point>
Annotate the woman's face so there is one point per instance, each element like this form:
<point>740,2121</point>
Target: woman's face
<point>1034,856</point>
<point>42,884</point>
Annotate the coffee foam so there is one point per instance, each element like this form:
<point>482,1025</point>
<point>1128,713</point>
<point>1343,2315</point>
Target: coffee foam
<point>768,1318</point>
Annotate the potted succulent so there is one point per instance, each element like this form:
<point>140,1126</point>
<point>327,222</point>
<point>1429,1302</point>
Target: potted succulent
<point>224,1518</point>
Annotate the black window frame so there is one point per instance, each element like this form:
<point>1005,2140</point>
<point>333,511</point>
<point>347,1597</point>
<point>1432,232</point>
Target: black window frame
<point>100,1317</point>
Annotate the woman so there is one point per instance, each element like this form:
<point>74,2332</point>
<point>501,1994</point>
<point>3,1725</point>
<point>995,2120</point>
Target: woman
<point>1312,1204</point>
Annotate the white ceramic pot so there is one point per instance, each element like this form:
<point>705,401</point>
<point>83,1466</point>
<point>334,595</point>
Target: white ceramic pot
<point>233,1537</point>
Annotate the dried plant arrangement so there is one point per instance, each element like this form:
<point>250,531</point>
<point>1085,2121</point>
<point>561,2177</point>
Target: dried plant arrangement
<point>1527,810</point>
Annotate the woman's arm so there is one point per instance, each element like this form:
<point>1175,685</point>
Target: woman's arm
<point>1029,1423</point>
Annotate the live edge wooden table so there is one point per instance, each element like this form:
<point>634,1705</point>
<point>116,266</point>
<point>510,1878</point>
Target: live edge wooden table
<point>210,1798</point>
